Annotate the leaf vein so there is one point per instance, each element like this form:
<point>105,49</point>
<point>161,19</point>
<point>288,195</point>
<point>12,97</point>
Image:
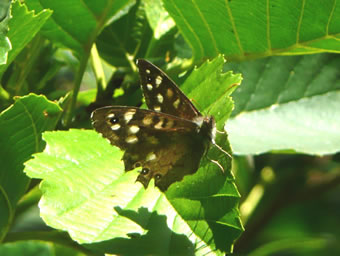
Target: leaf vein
<point>207,26</point>
<point>234,27</point>
<point>190,28</point>
<point>330,17</point>
<point>300,21</point>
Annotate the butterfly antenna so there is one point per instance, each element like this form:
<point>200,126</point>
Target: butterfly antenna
<point>196,103</point>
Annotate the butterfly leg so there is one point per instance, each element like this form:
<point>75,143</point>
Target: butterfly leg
<point>220,132</point>
<point>221,149</point>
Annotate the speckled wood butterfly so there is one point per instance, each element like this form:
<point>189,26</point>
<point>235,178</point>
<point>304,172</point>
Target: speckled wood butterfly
<point>167,141</point>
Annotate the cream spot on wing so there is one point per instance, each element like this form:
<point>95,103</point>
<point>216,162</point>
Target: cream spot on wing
<point>160,98</point>
<point>115,127</point>
<point>157,108</point>
<point>134,129</point>
<point>131,139</point>
<point>149,86</point>
<point>151,156</point>
<point>148,71</point>
<point>176,103</point>
<point>129,115</point>
<point>169,124</point>
<point>158,81</point>
<point>159,124</point>
<point>169,93</point>
<point>147,120</point>
<point>111,115</point>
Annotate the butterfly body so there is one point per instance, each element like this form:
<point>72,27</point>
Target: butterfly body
<point>168,140</point>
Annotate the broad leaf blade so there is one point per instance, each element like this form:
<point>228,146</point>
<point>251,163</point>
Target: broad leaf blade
<point>287,103</point>
<point>21,126</point>
<point>81,178</point>
<point>252,29</point>
<point>84,179</point>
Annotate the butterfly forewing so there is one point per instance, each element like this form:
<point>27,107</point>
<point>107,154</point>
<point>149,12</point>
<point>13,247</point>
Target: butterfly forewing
<point>162,94</point>
<point>128,126</point>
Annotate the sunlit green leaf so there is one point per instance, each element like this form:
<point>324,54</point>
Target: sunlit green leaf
<point>23,26</point>
<point>251,29</point>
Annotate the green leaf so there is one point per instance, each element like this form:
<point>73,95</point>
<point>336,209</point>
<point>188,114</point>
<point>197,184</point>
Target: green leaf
<point>277,27</point>
<point>211,198</point>
<point>126,38</point>
<point>23,26</point>
<point>210,88</point>
<point>5,47</point>
<point>287,103</point>
<point>146,31</point>
<point>75,24</point>
<point>83,178</point>
<point>27,248</point>
<point>21,126</point>
<point>5,44</point>
<point>34,248</point>
<point>158,18</point>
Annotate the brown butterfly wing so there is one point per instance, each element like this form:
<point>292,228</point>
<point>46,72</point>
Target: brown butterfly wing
<point>162,94</point>
<point>128,127</point>
<point>179,156</point>
<point>166,147</point>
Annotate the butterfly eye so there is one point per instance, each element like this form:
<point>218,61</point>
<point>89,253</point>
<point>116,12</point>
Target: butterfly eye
<point>114,120</point>
<point>158,176</point>
<point>145,171</point>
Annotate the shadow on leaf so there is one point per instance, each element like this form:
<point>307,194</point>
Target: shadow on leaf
<point>159,239</point>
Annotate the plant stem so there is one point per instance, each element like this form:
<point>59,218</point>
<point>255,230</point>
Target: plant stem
<point>9,212</point>
<point>98,70</point>
<point>4,95</point>
<point>77,83</point>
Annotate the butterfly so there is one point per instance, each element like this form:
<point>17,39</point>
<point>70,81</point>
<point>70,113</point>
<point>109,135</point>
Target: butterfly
<point>168,140</point>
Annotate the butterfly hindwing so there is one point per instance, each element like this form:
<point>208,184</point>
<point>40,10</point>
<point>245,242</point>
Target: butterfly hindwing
<point>179,156</point>
<point>162,94</point>
<point>166,147</point>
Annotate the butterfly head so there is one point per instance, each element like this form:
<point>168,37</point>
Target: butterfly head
<point>206,127</point>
